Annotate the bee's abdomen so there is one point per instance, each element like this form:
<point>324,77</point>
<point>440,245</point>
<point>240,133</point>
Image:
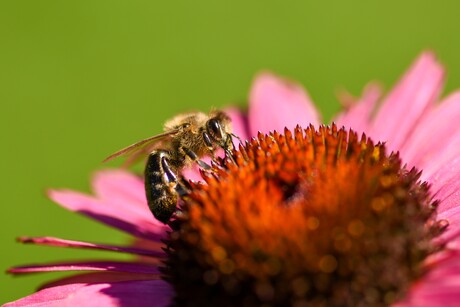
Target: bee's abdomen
<point>160,183</point>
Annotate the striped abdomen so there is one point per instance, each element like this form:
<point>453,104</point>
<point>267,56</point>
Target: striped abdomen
<point>160,185</point>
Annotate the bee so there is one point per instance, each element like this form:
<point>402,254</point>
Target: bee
<point>186,139</point>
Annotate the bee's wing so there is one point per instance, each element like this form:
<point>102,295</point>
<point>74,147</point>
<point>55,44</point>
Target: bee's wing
<point>135,149</point>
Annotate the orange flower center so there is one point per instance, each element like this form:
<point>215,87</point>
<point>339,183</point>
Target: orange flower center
<point>311,217</point>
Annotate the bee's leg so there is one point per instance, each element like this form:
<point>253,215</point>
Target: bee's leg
<point>171,180</point>
<point>207,141</point>
<point>226,149</point>
<point>228,154</point>
<point>232,135</point>
<point>229,146</point>
<point>181,188</point>
<point>192,155</point>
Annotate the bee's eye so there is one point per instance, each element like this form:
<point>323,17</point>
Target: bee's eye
<point>214,129</point>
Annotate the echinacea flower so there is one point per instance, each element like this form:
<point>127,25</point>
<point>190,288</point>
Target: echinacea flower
<point>312,215</point>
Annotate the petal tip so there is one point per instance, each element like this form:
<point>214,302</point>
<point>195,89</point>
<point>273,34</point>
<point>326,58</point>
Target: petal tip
<point>268,78</point>
<point>55,194</point>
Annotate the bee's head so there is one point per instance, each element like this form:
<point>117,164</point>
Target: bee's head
<point>218,128</point>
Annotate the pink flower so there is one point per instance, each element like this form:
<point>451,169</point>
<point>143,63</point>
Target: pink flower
<point>410,120</point>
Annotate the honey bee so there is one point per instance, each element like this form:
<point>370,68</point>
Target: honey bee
<point>186,139</point>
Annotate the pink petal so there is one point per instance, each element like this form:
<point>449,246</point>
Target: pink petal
<point>119,186</point>
<point>193,172</point>
<point>358,117</point>
<point>136,221</point>
<point>412,96</point>
<point>240,125</point>
<point>112,266</point>
<point>276,103</point>
<point>445,185</point>
<point>453,230</point>
<point>97,277</point>
<point>50,241</point>
<point>440,287</point>
<point>436,130</point>
<point>123,190</point>
<point>445,155</point>
<point>454,246</point>
<point>128,293</point>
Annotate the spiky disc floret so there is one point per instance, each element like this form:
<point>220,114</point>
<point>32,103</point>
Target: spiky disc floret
<point>317,217</point>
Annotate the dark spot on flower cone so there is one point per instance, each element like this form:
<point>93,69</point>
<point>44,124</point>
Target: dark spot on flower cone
<point>311,217</point>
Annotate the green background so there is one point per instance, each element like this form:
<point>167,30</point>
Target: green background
<point>80,79</point>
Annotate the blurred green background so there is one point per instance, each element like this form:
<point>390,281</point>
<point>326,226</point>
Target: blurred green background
<point>80,79</point>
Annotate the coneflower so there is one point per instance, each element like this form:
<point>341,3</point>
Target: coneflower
<point>363,212</point>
